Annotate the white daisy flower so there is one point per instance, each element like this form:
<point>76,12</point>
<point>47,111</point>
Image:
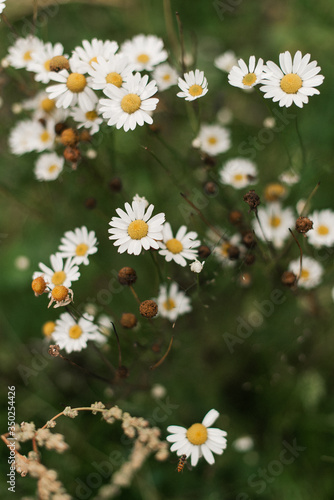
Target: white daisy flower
<point>289,177</point>
<point>31,135</point>
<point>60,273</point>
<point>72,88</point>
<point>48,166</point>
<point>213,139</point>
<point>311,274</point>
<point>44,108</point>
<point>221,248</point>
<point>172,303</point>
<point>113,71</point>
<point>83,57</point>
<point>2,5</point>
<point>198,440</point>
<point>165,76</point>
<point>130,105</point>
<point>293,82</point>
<point>238,173</point>
<point>275,223</point>
<point>181,247</point>
<point>73,335</point>
<point>20,54</point>
<point>144,52</point>
<point>322,233</point>
<point>226,61</point>
<point>245,77</point>
<point>78,244</point>
<point>44,135</point>
<point>89,119</point>
<point>40,60</point>
<point>134,230</point>
<point>193,86</point>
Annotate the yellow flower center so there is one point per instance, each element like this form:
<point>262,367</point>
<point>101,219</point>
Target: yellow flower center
<point>91,115</point>
<point>195,90</point>
<point>166,77</point>
<point>47,65</point>
<point>174,245</point>
<point>81,249</point>
<point>291,83</point>
<point>224,249</point>
<point>93,59</point>
<point>323,230</point>
<point>238,177</point>
<point>115,79</point>
<point>305,274</point>
<point>27,56</point>
<point>130,103</point>
<point>76,83</point>
<point>212,140</point>
<point>143,58</point>
<point>45,136</point>
<point>75,332</point>
<point>249,79</point>
<point>274,221</point>
<point>197,434</point>
<point>52,168</point>
<point>137,229</point>
<point>48,328</point>
<point>169,304</point>
<point>58,278</point>
<point>274,191</point>
<point>47,105</point>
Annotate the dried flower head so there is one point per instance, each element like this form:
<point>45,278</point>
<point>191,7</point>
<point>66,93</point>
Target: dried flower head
<point>127,276</point>
<point>61,295</point>
<point>288,278</point>
<point>148,308</point>
<point>58,63</point>
<point>72,155</point>
<point>303,225</point>
<point>235,217</point>
<point>54,350</point>
<point>69,137</point>
<point>39,286</point>
<point>128,320</point>
<point>252,199</point>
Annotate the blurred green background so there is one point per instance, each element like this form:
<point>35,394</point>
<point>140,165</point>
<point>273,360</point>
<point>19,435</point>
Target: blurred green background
<point>276,386</point>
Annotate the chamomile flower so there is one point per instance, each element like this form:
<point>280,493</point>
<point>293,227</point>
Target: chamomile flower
<point>180,248</point>
<point>165,76</point>
<point>44,135</point>
<point>221,248</point>
<point>20,54</point>
<point>43,107</point>
<point>172,303</point>
<point>88,119</point>
<point>213,139</point>
<point>48,167</point>
<point>275,223</point>
<point>40,60</point>
<point>311,274</point>
<point>193,86</point>
<point>293,82</point>
<point>198,440</point>
<point>78,244</point>
<point>144,52</point>
<point>238,173</point>
<point>246,76</point>
<point>73,335</point>
<point>31,135</point>
<point>289,177</point>
<point>134,229</point>
<point>60,273</point>
<point>113,71</point>
<point>322,233</point>
<point>83,57</point>
<point>131,104</point>
<point>2,5</point>
<point>226,61</point>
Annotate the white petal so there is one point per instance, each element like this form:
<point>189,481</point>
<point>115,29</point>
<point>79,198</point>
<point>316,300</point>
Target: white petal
<point>210,418</point>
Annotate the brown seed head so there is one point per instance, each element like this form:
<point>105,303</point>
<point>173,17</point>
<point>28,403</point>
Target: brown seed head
<point>116,184</point>
<point>59,127</point>
<point>203,252</point>
<point>208,160</point>
<point>69,137</point>
<point>248,239</point>
<point>54,350</point>
<point>252,199</point>
<point>148,308</point>
<point>128,320</point>
<point>303,225</point>
<point>72,155</point>
<point>38,285</point>
<point>58,63</point>
<point>127,276</point>
<point>59,293</point>
<point>122,372</point>
<point>90,203</point>
<point>249,259</point>
<point>288,278</point>
<point>274,191</point>
<point>245,280</point>
<point>211,188</point>
<point>235,217</point>
<point>233,252</point>
<point>85,136</point>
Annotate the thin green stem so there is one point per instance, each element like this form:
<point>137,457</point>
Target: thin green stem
<point>301,143</point>
<point>156,263</point>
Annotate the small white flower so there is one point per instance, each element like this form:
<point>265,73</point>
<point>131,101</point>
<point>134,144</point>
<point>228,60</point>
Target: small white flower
<point>269,122</point>
<point>83,57</point>
<point>289,177</point>
<point>322,233</point>
<point>172,303</point>
<point>48,166</point>
<point>198,440</point>
<point>113,71</point>
<point>31,135</point>
<point>40,60</point>
<point>134,230</point>
<point>158,391</point>
<point>224,116</point>
<point>196,266</point>
<point>213,139</point>
<point>22,262</point>
<point>293,81</point>
<point>20,54</point>
<point>275,222</point>
<point>165,76</point>
<point>238,173</point>
<point>2,5</point>
<point>73,335</point>
<point>193,86</point>
<point>88,119</point>
<point>44,108</point>
<point>226,61</point>
<point>78,244</point>
<point>311,274</point>
<point>144,52</point>
<point>131,104</point>
<point>245,77</point>
<point>140,199</point>
<point>60,273</point>
<point>181,247</point>
<point>243,444</point>
<point>221,247</point>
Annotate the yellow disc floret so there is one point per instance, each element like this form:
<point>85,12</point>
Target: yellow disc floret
<point>249,79</point>
<point>48,328</point>
<point>323,230</point>
<point>45,136</point>
<point>47,65</point>
<point>130,103</point>
<point>48,105</point>
<point>76,82</point>
<point>52,168</point>
<point>212,140</point>
<point>169,304</point>
<point>291,83</point>
<point>174,245</point>
<point>197,434</point>
<point>238,177</point>
<point>305,274</point>
<point>137,229</point>
<point>143,58</point>
<point>115,79</point>
<point>59,293</point>
<point>81,249</point>
<point>58,278</point>
<point>195,90</point>
<point>274,221</point>
<point>75,332</point>
<point>27,56</point>
<point>91,115</point>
